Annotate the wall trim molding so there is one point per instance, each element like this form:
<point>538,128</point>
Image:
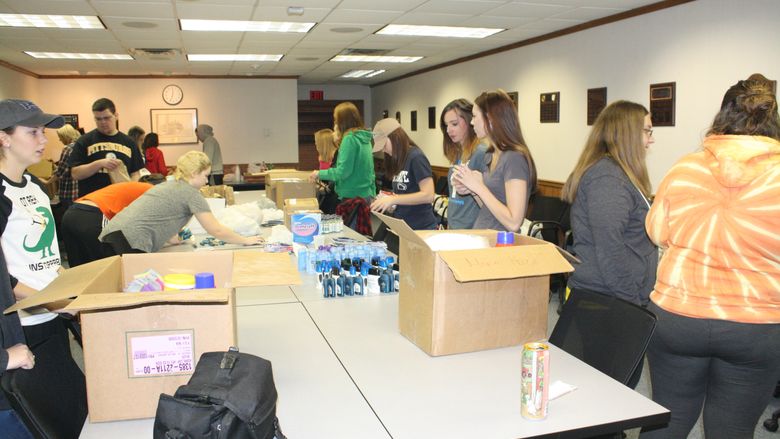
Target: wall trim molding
<point>642,10</point>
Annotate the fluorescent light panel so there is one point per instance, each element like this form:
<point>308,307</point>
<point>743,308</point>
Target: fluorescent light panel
<point>245,26</point>
<point>362,73</point>
<point>240,57</point>
<point>437,31</point>
<point>63,55</point>
<point>58,21</point>
<point>375,58</point>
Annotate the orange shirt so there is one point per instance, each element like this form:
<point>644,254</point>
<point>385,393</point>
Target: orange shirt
<point>115,197</point>
<point>717,213</point>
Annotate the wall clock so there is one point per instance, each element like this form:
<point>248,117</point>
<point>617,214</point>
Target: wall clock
<point>172,94</point>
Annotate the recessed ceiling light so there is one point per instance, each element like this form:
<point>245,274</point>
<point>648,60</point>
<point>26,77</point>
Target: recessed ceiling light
<point>370,58</point>
<point>244,26</point>
<point>59,21</point>
<point>239,57</point>
<point>361,73</point>
<point>346,30</point>
<point>139,24</point>
<point>437,31</point>
<point>63,55</point>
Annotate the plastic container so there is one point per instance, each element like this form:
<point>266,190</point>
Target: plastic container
<point>204,280</point>
<point>505,239</point>
<point>179,281</point>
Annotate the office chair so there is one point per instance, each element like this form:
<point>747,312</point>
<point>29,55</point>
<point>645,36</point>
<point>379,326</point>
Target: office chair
<point>608,333</point>
<point>550,222</point>
<point>50,398</point>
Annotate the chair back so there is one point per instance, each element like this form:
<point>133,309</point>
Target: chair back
<point>50,398</point>
<point>607,333</point>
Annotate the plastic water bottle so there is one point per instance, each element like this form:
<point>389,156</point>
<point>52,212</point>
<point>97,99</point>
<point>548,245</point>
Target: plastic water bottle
<point>357,280</point>
<point>303,259</point>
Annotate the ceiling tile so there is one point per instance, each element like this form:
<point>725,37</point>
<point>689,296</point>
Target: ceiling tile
<point>279,13</point>
<point>51,7</point>
<point>496,22</point>
<point>362,16</point>
<point>303,3</point>
<point>383,5</point>
<point>551,24</point>
<point>458,7</point>
<point>77,34</point>
<point>588,14</point>
<point>531,10</point>
<point>424,18</point>
<point>134,9</point>
<point>204,11</point>
<point>159,24</point>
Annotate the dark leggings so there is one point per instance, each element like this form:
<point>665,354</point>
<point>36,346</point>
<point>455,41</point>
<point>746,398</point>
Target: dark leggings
<point>54,329</point>
<point>81,226</point>
<point>728,368</point>
<point>115,243</point>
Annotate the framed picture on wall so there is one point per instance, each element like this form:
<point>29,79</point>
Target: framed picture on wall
<point>72,120</point>
<point>175,125</point>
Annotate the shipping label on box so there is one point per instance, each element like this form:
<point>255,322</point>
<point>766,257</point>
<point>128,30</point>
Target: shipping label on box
<point>158,353</point>
<point>305,226</point>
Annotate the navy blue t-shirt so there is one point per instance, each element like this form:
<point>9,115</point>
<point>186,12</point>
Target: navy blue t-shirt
<point>407,181</point>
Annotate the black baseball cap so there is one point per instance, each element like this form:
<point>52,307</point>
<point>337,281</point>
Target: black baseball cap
<point>15,112</point>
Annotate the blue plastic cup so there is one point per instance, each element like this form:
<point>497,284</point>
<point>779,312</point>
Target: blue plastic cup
<point>505,239</point>
<point>204,280</point>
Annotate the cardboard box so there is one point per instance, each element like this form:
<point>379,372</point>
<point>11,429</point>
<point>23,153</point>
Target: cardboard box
<point>282,186</point>
<point>138,345</point>
<point>469,300</point>
<point>294,205</point>
<point>222,191</point>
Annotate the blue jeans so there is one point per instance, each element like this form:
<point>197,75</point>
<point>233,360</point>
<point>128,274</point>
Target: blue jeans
<point>12,427</point>
<point>722,369</point>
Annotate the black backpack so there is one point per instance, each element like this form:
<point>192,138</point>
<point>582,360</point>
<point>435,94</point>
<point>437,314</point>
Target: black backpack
<point>230,395</point>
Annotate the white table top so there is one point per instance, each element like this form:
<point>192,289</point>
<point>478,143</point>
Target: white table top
<point>473,395</point>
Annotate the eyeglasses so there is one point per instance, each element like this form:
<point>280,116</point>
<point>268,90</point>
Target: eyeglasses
<point>104,118</point>
<point>649,131</point>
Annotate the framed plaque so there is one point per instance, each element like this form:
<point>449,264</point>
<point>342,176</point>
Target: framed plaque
<point>662,103</point>
<point>72,120</point>
<point>398,116</point>
<point>431,118</point>
<point>513,95</point>
<point>550,107</point>
<point>413,119</point>
<point>597,100</point>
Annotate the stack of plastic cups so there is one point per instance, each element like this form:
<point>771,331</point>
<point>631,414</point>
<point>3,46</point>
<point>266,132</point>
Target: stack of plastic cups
<point>204,280</point>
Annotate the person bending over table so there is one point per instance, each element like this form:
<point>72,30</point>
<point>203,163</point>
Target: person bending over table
<point>157,216</point>
<point>716,348</point>
<point>508,176</point>
<point>412,177</point>
<point>85,219</point>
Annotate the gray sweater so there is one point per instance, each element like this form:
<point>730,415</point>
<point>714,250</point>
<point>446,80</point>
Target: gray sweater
<point>608,223</point>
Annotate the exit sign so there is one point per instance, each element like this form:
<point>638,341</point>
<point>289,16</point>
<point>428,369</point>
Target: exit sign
<point>316,95</point>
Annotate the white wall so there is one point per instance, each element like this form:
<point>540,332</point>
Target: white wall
<point>253,119</point>
<point>341,92</point>
<point>704,46</point>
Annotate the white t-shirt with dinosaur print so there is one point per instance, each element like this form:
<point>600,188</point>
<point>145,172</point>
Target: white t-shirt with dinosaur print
<point>30,241</point>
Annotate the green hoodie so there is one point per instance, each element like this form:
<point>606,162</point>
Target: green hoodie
<point>354,170</point>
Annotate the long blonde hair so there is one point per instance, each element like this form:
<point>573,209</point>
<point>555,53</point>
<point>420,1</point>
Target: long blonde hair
<point>67,134</point>
<point>191,163</point>
<point>325,144</point>
<point>618,134</point>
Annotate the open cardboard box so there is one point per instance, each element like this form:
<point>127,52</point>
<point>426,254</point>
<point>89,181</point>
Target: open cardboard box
<point>221,191</point>
<point>469,300</point>
<point>138,345</point>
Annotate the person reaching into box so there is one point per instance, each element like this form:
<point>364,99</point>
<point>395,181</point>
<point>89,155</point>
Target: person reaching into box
<point>412,177</point>
<point>157,216</point>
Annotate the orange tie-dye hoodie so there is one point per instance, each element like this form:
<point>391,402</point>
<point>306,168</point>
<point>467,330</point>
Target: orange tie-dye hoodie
<point>717,213</point>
